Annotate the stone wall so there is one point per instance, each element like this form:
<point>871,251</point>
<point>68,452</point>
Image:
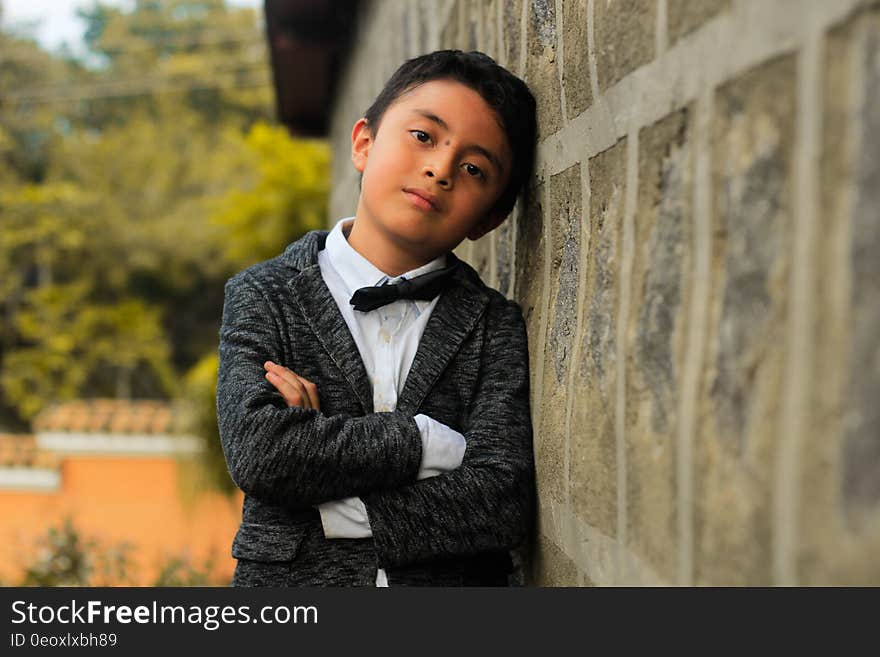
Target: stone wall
<point>699,268</point>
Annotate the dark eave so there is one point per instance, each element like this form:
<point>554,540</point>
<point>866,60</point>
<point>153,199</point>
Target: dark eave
<point>308,41</point>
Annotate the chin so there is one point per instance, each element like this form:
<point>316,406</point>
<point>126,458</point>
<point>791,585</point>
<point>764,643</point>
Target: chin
<point>411,228</point>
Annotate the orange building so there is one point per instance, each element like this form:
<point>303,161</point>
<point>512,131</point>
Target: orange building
<point>120,473</point>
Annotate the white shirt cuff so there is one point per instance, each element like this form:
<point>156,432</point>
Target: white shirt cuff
<point>442,447</point>
<point>345,518</point>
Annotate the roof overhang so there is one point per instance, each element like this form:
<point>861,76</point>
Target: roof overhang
<point>308,42</point>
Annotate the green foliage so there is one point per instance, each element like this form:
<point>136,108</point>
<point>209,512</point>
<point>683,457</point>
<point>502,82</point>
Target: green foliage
<point>181,571</point>
<point>30,125</point>
<point>201,389</point>
<point>131,187</point>
<point>288,199</point>
<point>64,557</point>
<point>70,340</point>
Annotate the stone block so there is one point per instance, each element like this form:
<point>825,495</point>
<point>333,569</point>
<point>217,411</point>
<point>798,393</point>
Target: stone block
<point>491,44</point>
<point>576,69</point>
<point>510,40</point>
<point>861,486</point>
<point>566,217</point>
<point>453,34</point>
<point>685,16</point>
<point>541,73</point>
<point>593,437</point>
<point>752,146</point>
<point>473,25</point>
<point>530,276</point>
<point>407,38</point>
<point>656,338</point>
<point>565,227</point>
<point>504,249</point>
<point>551,566</point>
<point>481,257</point>
<point>425,18</point>
<point>840,516</point>
<point>623,31</point>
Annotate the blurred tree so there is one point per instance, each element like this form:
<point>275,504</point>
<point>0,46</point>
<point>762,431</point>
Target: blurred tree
<point>30,127</point>
<point>200,385</point>
<point>132,185</point>
<point>288,199</point>
<point>215,56</point>
<point>65,558</point>
<point>181,571</point>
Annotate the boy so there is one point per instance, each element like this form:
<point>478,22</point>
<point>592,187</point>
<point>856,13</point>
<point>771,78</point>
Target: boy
<point>373,396</point>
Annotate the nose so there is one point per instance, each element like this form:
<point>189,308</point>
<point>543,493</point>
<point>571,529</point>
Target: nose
<point>440,170</point>
<point>442,181</point>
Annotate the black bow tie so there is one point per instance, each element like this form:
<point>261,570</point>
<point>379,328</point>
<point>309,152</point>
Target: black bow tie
<point>424,287</point>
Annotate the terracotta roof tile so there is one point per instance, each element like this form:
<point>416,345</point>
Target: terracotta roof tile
<point>108,416</point>
<point>20,450</point>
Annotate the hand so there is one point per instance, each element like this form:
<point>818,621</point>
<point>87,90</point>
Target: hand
<point>296,390</point>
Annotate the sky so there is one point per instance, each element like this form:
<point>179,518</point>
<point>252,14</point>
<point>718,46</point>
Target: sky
<point>57,21</point>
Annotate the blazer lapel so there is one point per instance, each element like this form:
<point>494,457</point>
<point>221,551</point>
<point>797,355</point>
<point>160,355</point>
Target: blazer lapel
<point>311,294</point>
<point>451,321</point>
<point>457,311</point>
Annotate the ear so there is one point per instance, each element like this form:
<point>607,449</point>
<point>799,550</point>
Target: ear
<point>361,141</point>
<point>491,222</point>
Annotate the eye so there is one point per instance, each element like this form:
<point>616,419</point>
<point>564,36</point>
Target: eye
<point>474,170</point>
<point>421,135</point>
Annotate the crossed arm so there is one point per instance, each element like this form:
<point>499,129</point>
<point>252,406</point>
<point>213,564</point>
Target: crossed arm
<point>442,447</point>
<point>442,451</point>
<point>296,457</point>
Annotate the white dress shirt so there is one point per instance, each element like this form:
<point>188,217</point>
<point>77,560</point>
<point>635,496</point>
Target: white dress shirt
<point>387,339</point>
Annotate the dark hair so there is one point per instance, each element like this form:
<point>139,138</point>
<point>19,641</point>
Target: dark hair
<point>506,94</point>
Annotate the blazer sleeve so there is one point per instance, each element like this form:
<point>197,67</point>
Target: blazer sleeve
<point>487,503</point>
<point>290,456</point>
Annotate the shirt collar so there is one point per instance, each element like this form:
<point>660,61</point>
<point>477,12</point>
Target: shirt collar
<point>357,272</point>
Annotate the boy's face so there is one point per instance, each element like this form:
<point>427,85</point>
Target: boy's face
<point>434,170</point>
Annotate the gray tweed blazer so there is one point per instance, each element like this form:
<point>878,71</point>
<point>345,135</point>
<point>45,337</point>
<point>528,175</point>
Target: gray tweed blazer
<point>471,372</point>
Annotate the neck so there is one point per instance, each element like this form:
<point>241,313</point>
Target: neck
<point>386,256</point>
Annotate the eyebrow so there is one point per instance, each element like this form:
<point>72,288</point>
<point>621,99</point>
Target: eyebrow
<point>473,147</point>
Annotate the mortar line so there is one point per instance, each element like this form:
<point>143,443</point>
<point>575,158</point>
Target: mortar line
<point>523,36</point>
<point>676,77</point>
<point>560,58</point>
<point>799,357</point>
<point>591,54</point>
<point>696,334</point>
<point>538,393</point>
<point>597,551</point>
<point>661,29</point>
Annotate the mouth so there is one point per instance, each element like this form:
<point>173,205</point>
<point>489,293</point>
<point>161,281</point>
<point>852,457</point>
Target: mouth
<point>422,199</point>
